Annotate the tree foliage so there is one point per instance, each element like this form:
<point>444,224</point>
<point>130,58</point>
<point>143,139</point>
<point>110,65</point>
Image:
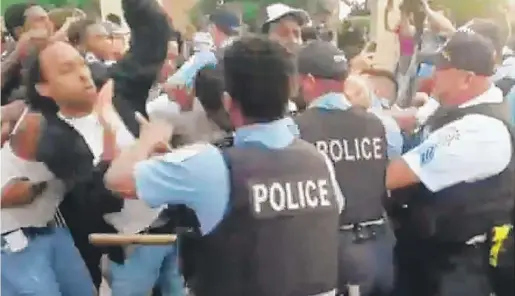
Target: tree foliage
<point>464,10</point>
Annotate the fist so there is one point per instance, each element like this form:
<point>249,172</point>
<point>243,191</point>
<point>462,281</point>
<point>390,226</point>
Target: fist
<point>357,91</point>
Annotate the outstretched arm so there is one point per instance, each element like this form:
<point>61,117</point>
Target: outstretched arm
<point>136,72</point>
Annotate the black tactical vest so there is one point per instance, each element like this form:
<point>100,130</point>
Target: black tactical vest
<point>462,211</point>
<point>279,235</point>
<point>355,141</point>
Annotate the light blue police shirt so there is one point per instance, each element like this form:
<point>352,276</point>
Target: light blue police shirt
<point>186,74</point>
<point>393,132</point>
<point>198,177</point>
<point>511,100</point>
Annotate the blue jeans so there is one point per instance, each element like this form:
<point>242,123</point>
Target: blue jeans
<point>145,267</point>
<point>367,264</point>
<point>50,265</point>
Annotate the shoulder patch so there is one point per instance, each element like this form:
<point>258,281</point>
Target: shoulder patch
<point>450,135</point>
<point>184,153</point>
<point>427,155</point>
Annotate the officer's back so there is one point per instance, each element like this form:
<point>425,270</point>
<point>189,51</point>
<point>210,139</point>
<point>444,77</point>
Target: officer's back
<point>268,207</point>
<point>354,139</point>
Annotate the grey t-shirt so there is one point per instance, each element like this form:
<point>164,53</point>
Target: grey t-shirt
<point>44,207</point>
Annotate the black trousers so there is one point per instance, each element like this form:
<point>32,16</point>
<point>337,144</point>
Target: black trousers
<point>367,263</point>
<point>440,270</point>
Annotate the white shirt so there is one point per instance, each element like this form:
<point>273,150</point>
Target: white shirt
<point>135,215</point>
<point>162,107</point>
<point>43,208</point>
<point>424,112</point>
<point>472,148</point>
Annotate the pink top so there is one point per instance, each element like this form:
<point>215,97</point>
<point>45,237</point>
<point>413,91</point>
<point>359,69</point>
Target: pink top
<point>406,43</point>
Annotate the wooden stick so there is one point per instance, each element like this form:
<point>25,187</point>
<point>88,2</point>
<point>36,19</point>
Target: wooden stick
<point>107,239</point>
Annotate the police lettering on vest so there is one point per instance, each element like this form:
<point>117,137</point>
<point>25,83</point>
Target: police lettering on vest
<point>274,198</point>
<point>351,150</point>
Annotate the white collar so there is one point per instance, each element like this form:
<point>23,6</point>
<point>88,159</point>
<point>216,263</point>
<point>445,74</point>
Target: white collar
<point>492,95</point>
<point>80,122</point>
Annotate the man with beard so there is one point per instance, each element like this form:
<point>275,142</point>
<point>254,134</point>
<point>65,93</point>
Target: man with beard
<point>80,134</point>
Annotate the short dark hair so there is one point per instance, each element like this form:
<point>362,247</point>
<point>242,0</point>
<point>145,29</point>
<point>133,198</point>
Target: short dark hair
<point>257,76</point>
<point>113,18</point>
<point>382,73</point>
<point>77,31</point>
<point>309,33</point>
<point>209,88</point>
<point>34,76</point>
<point>491,30</point>
<point>14,16</point>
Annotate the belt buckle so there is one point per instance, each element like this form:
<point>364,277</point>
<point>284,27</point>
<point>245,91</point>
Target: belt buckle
<point>363,233</point>
<point>359,235</point>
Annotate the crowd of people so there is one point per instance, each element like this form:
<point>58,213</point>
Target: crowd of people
<point>283,167</point>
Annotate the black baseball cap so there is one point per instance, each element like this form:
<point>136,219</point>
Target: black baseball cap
<point>322,59</point>
<point>469,51</point>
<point>227,21</point>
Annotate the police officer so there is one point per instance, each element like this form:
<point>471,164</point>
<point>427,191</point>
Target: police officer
<point>268,206</point>
<point>463,170</point>
<point>355,141</point>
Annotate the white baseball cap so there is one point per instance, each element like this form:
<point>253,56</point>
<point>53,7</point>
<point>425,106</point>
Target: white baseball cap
<point>277,11</point>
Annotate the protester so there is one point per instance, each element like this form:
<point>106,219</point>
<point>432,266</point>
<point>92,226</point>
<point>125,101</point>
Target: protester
<point>283,24</point>
<point>31,28</point>
<point>38,252</point>
<point>66,96</point>
<point>91,38</point>
<point>405,32</point>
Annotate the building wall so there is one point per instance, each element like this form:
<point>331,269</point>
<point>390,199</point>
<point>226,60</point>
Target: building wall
<point>387,52</point>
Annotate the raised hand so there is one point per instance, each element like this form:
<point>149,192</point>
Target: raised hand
<point>155,133</point>
<point>103,108</point>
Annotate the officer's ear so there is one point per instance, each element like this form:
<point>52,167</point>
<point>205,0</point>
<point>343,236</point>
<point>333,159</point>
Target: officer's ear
<point>227,101</point>
<point>308,82</point>
<point>42,89</point>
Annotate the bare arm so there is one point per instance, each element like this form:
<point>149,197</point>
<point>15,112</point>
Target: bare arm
<point>20,191</point>
<point>135,74</point>
<point>119,177</point>
<point>386,24</point>
<point>438,20</point>
<point>400,175</point>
